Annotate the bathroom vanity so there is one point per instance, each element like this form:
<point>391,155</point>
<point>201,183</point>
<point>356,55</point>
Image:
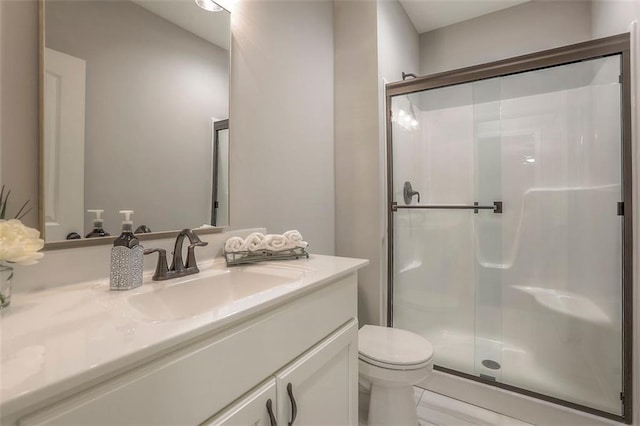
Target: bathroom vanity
<point>263,344</point>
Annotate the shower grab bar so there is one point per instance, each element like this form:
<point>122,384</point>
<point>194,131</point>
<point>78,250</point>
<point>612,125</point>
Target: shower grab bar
<point>496,207</point>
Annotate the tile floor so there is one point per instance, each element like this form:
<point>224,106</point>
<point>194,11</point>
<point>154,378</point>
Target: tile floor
<point>438,410</point>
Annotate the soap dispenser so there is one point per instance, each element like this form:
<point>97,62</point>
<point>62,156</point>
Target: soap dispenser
<point>98,230</point>
<point>126,257</point>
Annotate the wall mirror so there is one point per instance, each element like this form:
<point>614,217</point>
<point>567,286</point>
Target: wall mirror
<point>134,111</point>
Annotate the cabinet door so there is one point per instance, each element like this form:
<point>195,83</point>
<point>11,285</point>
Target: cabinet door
<point>256,409</point>
<point>321,387</point>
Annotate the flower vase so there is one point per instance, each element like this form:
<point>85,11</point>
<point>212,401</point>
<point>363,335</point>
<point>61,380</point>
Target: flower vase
<point>6,274</point>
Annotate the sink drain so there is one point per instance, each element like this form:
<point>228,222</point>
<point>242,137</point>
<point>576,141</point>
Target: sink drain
<point>491,364</point>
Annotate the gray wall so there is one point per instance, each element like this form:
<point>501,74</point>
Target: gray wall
<point>281,128</point>
<point>19,102</point>
<point>613,16</point>
<point>398,42</point>
<point>152,89</point>
<point>375,41</point>
<point>526,28</point>
<point>358,198</point>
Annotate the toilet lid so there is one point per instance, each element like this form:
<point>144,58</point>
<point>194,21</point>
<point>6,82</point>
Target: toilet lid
<point>393,346</point>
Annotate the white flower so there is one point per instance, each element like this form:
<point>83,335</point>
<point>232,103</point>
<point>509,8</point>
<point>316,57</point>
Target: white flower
<point>18,243</point>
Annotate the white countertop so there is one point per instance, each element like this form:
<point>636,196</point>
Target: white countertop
<point>54,340</point>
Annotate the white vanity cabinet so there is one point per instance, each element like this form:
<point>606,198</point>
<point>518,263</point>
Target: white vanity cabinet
<point>319,388</point>
<point>226,377</point>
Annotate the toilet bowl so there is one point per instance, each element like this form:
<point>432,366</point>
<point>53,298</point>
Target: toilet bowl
<point>391,361</point>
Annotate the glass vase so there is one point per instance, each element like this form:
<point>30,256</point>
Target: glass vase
<point>6,274</point>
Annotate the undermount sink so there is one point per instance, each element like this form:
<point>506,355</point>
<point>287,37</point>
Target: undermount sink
<point>222,291</point>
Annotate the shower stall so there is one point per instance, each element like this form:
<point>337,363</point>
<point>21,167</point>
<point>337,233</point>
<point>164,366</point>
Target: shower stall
<point>510,222</point>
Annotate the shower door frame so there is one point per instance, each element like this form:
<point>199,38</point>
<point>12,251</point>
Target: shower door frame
<point>609,46</point>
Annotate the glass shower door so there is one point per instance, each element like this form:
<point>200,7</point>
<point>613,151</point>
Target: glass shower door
<point>526,291</point>
<point>487,147</point>
<point>435,271</point>
<point>563,237</point>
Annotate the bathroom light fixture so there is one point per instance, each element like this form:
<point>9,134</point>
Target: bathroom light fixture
<point>209,5</point>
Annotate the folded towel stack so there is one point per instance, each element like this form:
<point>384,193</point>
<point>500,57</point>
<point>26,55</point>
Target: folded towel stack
<point>257,242</point>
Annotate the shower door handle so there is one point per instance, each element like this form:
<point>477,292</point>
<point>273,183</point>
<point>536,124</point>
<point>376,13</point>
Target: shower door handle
<point>408,193</point>
<point>496,207</point>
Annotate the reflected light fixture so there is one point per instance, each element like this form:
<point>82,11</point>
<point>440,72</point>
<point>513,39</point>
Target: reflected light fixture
<point>406,120</point>
<point>209,5</point>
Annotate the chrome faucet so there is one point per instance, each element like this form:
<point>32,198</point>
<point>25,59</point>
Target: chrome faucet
<point>178,267</point>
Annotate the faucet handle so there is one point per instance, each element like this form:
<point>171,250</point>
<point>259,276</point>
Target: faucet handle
<point>191,257</point>
<point>161,267</point>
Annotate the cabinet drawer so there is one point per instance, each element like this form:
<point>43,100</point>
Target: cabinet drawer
<point>187,386</point>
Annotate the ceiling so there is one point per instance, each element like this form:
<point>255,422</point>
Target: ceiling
<point>211,26</point>
<point>428,15</point>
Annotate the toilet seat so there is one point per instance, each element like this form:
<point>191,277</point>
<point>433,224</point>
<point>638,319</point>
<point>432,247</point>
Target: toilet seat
<point>393,348</point>
<point>389,366</point>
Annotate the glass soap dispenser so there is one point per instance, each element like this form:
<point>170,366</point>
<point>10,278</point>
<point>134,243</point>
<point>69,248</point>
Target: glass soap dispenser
<point>98,223</point>
<point>126,257</point>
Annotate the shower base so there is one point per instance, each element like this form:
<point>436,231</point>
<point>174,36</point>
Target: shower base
<point>569,378</point>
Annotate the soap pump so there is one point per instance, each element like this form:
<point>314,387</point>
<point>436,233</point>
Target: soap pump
<point>98,230</point>
<point>126,257</point>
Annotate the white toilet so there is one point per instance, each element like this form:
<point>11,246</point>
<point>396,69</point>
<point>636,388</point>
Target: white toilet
<point>392,360</point>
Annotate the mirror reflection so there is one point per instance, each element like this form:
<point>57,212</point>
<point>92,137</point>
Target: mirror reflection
<point>220,198</point>
<point>133,95</point>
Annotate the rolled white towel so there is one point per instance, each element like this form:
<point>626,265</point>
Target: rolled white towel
<point>234,245</point>
<point>277,242</point>
<point>295,238</point>
<point>255,242</point>
<point>205,226</point>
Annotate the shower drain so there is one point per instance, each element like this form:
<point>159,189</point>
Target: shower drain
<point>491,364</point>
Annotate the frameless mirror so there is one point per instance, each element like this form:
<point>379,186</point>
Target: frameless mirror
<point>133,94</point>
